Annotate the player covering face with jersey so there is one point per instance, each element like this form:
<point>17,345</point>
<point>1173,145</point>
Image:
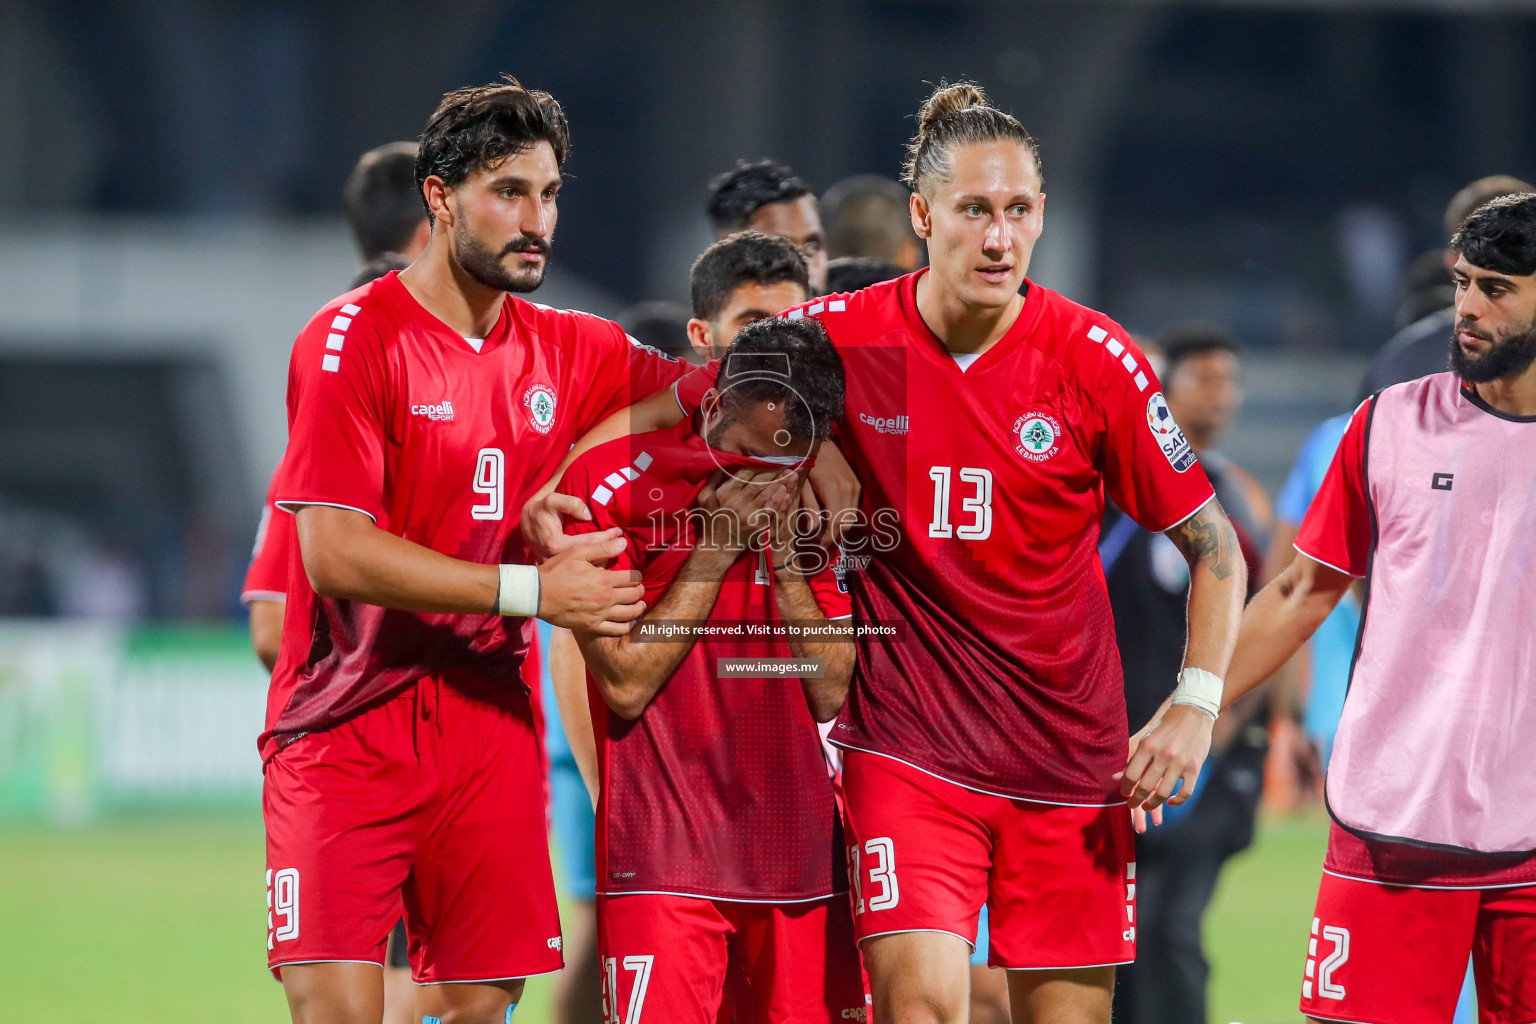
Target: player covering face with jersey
<point>742,911</point>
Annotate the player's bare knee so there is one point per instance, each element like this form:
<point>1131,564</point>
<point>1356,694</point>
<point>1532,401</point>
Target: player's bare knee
<point>470,1004</point>
<point>333,993</point>
<point>922,1008</point>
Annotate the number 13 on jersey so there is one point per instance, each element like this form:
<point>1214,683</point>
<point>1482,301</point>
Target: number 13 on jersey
<point>978,505</point>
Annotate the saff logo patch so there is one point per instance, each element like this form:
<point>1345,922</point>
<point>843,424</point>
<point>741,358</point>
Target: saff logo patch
<point>1037,436</point>
<point>1170,438</point>
<point>539,401</point>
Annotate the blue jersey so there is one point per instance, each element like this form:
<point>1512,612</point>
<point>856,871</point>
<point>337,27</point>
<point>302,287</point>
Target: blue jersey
<point>556,746</point>
<point>1333,645</point>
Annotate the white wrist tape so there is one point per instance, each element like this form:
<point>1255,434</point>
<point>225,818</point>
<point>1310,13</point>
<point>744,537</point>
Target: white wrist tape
<point>1200,689</point>
<point>518,594</point>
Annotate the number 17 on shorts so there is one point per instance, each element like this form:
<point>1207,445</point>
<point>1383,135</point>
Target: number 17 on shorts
<point>638,971</point>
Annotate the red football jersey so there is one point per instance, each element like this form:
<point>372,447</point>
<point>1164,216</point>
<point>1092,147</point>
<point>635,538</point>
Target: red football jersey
<point>394,415</point>
<point>266,579</point>
<point>719,789</point>
<point>983,494</point>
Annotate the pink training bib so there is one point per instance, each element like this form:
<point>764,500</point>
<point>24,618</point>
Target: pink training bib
<point>1437,743</point>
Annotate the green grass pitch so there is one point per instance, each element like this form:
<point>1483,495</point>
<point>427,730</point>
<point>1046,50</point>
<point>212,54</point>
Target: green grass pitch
<point>159,920</point>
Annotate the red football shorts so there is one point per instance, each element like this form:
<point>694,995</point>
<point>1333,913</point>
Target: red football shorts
<point>434,802</point>
<point>686,960</point>
<point>1391,954</point>
<point>925,855</point>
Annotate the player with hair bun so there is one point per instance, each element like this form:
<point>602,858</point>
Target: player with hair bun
<point>981,750</point>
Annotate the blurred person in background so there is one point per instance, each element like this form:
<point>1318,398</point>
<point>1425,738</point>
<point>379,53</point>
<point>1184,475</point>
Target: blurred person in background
<point>1177,864</point>
<point>1419,348</point>
<point>851,273</point>
<point>1319,694</point>
<point>404,477</point>
<point>383,205</point>
<point>570,748</point>
<point>765,196</point>
<point>868,216</point>
<point>746,277</point>
<point>661,325</point>
<point>1202,373</point>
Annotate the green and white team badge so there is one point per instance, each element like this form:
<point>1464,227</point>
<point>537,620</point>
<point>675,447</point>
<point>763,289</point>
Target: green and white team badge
<point>539,400</point>
<point>1038,436</point>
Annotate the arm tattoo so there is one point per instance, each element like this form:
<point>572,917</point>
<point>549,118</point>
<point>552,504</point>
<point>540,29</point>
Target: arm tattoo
<point>1208,537</point>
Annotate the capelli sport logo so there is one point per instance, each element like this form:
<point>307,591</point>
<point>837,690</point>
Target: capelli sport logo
<point>440,411</point>
<point>886,424</point>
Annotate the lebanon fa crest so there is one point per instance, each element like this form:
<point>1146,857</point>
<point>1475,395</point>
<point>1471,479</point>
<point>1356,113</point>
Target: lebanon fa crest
<point>1037,436</point>
<point>1170,438</point>
<point>539,401</point>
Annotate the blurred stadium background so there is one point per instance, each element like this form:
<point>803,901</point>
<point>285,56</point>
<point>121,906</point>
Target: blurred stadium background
<point>170,176</point>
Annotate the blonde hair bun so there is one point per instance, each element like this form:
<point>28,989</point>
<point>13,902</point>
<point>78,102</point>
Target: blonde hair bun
<point>958,115</point>
<point>949,99</point>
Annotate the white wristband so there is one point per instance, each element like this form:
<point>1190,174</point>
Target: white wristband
<point>1200,689</point>
<point>518,593</point>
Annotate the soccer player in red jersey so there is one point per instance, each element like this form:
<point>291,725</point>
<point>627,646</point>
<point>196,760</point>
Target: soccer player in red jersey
<point>401,762</point>
<point>1432,851</point>
<point>718,845</point>
<point>982,743</point>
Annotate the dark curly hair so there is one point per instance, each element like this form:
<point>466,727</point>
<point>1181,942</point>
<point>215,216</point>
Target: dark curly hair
<point>789,361</point>
<point>1501,236</point>
<point>479,127</point>
<point>748,187</point>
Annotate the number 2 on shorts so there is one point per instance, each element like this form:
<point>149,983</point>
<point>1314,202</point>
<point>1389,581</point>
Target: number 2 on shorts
<point>1327,987</point>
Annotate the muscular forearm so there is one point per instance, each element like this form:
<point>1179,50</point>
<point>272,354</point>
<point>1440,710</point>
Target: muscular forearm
<point>797,603</point>
<point>1279,620</point>
<point>569,675</point>
<point>1215,611</point>
<point>630,674</point>
<point>1218,583</point>
<point>346,556</point>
